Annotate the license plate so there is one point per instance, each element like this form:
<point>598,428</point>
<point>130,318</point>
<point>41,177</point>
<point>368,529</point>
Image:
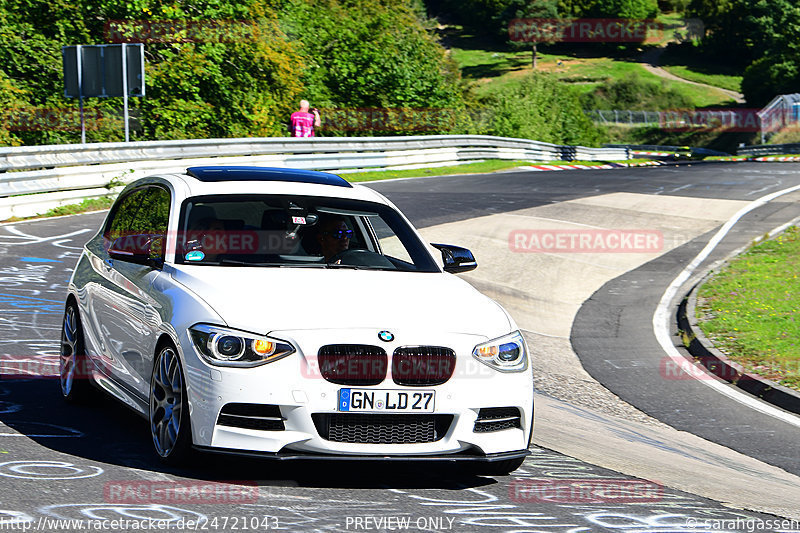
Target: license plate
<point>394,401</point>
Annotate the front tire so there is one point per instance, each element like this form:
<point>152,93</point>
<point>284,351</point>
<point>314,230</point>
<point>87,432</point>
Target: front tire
<point>73,365</point>
<point>170,426</point>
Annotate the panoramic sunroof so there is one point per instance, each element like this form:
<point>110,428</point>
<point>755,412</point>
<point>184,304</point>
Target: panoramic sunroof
<point>266,174</point>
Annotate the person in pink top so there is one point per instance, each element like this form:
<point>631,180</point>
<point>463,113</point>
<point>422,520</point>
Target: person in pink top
<point>303,122</point>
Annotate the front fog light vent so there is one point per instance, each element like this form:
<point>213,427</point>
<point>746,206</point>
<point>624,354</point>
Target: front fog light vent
<point>251,416</point>
<point>497,419</point>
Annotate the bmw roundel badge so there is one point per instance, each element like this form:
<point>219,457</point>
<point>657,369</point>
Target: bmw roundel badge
<point>385,336</point>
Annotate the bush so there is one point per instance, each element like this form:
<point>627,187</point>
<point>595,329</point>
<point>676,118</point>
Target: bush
<point>788,135</point>
<point>543,109</point>
<point>635,93</point>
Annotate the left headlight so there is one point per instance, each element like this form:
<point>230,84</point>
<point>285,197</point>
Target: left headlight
<point>229,347</point>
<point>506,354</point>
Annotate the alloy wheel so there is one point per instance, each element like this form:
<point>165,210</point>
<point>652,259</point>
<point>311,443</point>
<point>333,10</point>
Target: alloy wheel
<point>166,402</point>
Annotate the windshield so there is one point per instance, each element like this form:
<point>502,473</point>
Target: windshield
<point>298,231</point>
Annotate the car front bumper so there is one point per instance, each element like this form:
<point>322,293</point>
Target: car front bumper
<point>295,387</point>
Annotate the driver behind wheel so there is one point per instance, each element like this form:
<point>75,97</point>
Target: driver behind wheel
<point>333,237</point>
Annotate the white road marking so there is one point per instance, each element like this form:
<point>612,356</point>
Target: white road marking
<point>661,318</point>
<point>33,239</point>
<point>682,187</point>
<point>764,188</point>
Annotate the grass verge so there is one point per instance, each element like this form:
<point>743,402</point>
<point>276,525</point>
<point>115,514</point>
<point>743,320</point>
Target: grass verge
<point>751,309</point>
<point>482,167</point>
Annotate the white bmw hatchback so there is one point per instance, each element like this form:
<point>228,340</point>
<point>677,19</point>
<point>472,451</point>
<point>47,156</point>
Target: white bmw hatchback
<point>290,314</point>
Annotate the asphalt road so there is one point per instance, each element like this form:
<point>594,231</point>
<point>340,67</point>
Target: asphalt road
<point>94,462</point>
<point>613,336</point>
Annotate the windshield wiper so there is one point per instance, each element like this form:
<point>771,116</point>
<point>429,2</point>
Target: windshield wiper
<point>358,267</point>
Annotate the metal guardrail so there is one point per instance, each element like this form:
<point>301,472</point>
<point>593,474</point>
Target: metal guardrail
<point>653,150</point>
<point>768,149</point>
<point>66,173</point>
<point>651,147</point>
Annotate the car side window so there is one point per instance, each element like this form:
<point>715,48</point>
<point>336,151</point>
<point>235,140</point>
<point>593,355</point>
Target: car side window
<point>141,212</point>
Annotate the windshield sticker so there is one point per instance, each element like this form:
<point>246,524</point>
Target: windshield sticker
<point>195,255</point>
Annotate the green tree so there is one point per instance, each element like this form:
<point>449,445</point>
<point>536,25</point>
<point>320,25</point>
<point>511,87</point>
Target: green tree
<point>771,76</point>
<point>480,16</point>
<point>370,54</point>
<point>760,36</point>
<point>529,9</point>
<point>238,82</point>
<point>744,31</point>
<point>234,85</point>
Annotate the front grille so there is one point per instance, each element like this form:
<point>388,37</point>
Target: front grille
<point>251,416</point>
<point>353,364</point>
<point>497,419</point>
<point>381,429</point>
<point>418,366</point>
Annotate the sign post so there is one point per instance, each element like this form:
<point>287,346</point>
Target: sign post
<point>125,91</point>
<point>104,71</point>
<point>80,92</point>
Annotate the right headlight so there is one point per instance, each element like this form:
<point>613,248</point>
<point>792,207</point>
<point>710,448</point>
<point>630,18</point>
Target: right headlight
<point>506,354</point>
<point>230,347</point>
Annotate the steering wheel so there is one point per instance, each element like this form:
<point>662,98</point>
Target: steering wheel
<point>352,254</point>
<point>361,257</point>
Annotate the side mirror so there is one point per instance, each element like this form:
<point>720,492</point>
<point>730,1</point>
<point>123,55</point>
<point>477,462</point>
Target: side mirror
<point>139,249</point>
<point>456,259</point>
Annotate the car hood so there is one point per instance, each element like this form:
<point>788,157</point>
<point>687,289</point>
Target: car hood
<point>264,299</point>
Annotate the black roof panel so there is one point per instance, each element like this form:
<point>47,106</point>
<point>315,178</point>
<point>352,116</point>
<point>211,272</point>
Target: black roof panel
<point>220,173</point>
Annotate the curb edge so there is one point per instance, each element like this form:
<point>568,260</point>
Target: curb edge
<point>719,365</point>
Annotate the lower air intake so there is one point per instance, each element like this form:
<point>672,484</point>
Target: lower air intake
<point>382,429</point>
<point>251,416</point>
